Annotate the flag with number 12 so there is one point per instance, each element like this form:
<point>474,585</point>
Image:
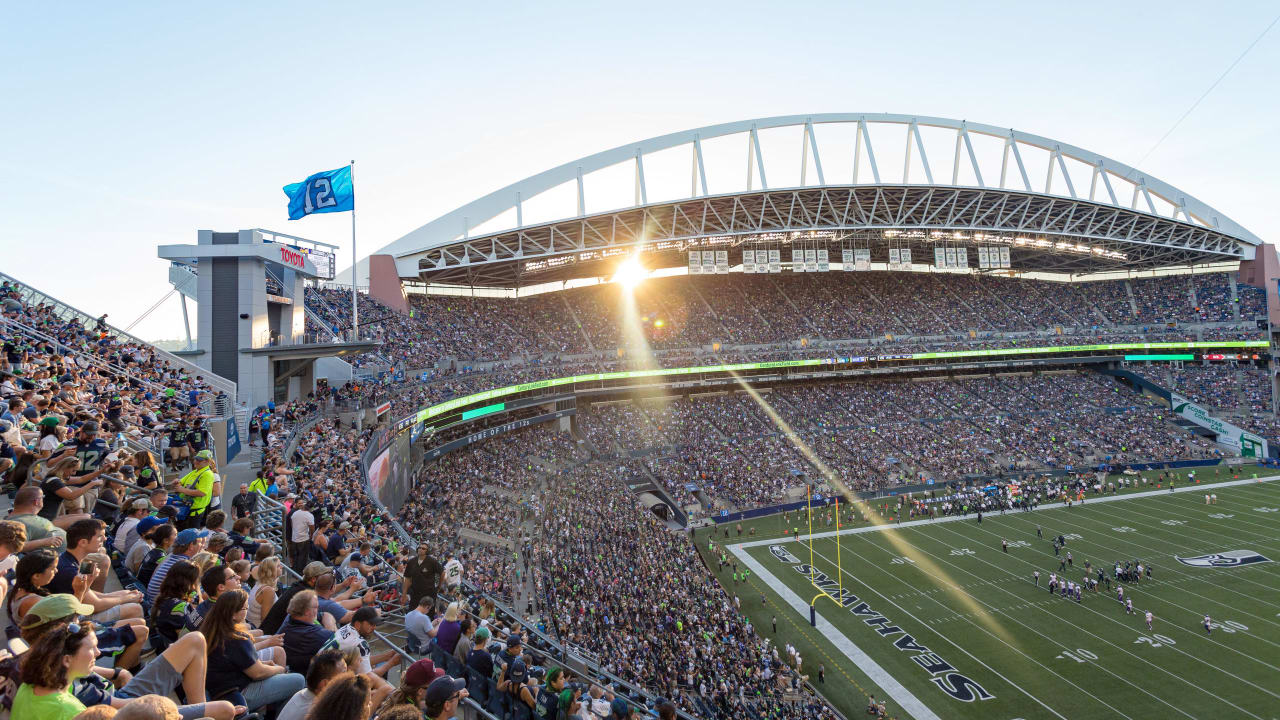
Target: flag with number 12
<point>324,192</point>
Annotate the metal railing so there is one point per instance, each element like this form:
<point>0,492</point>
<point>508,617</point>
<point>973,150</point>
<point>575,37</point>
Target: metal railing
<point>66,311</point>
<point>470,708</point>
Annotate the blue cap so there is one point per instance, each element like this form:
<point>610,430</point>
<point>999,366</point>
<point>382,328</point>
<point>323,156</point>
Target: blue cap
<point>190,535</point>
<point>149,522</point>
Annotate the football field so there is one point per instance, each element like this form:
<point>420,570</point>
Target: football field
<point>939,621</point>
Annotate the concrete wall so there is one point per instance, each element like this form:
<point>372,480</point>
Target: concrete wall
<point>385,285</point>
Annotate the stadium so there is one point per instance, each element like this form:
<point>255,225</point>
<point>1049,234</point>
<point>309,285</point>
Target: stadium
<point>917,418</point>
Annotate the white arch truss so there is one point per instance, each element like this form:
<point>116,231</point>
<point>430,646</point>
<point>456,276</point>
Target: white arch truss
<point>1103,199</point>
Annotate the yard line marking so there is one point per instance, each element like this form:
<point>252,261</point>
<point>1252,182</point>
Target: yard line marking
<point>900,694</point>
<point>1179,576</point>
<point>1123,625</point>
<point>1195,614</point>
<point>1243,577</point>
<point>1001,640</point>
<point>1175,508</point>
<point>803,607</point>
<point>1055,642</point>
<point>1234,523</point>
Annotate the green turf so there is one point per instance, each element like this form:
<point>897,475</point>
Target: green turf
<point>951,588</point>
<point>781,524</point>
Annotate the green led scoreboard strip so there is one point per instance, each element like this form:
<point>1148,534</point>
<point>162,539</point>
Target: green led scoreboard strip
<point>466,400</point>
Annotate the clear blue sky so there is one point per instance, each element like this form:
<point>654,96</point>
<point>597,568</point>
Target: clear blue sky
<point>125,127</point>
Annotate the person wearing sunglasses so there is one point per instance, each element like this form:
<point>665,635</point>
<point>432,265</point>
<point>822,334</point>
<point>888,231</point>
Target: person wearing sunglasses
<point>442,698</point>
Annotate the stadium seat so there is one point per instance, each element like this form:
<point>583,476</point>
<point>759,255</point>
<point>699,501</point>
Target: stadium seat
<point>478,687</point>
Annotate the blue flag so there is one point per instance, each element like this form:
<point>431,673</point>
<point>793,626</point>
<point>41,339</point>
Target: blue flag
<point>324,192</point>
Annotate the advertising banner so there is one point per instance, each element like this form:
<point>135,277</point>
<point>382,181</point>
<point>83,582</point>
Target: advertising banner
<point>1247,443</point>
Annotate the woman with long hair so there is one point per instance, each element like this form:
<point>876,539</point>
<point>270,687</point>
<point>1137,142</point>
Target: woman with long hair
<point>65,654</point>
<point>147,470</point>
<point>162,539</point>
<point>175,604</point>
<point>34,572</point>
<point>345,698</point>
<point>52,434</point>
<point>264,593</point>
<point>235,673</point>
<point>47,673</point>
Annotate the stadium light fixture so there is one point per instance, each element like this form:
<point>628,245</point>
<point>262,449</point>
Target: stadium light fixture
<point>630,273</point>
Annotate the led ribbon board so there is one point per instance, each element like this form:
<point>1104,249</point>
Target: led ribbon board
<point>455,403</point>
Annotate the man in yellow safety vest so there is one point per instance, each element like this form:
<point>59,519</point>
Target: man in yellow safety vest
<point>197,488</point>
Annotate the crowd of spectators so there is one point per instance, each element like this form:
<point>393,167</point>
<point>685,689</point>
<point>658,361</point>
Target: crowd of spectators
<point>743,452</point>
<point>231,623</point>
<point>622,585</point>
<point>676,314</point>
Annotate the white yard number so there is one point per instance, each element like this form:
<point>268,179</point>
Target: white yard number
<point>1229,626</point>
<point>1221,516</point>
<point>1080,655</point>
<point>1124,528</point>
<point>1174,522</point>
<point>903,560</point>
<point>324,195</point>
<point>1073,536</point>
<point>962,551</point>
<point>1267,509</point>
<point>1155,641</point>
<point>1019,543</point>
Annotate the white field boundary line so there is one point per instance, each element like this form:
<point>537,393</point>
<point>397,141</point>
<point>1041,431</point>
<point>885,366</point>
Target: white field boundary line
<point>1056,505</point>
<point>897,692</point>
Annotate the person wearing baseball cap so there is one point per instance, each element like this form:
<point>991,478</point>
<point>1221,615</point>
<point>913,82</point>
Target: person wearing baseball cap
<point>443,696</point>
<point>197,488</point>
<point>276,616</point>
<point>188,544</point>
<point>127,532</point>
<point>413,686</point>
<point>138,551</point>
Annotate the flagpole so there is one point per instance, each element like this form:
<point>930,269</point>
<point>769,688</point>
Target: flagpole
<point>355,310</point>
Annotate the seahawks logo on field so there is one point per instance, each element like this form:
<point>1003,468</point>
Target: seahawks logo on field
<point>1231,558</point>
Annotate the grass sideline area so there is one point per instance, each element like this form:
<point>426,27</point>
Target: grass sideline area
<point>948,616</point>
<point>781,524</point>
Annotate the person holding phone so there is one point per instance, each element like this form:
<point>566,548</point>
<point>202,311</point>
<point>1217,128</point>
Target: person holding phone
<point>84,539</point>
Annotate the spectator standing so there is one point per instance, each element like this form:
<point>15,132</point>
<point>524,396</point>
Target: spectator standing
<point>301,525</point>
<point>422,575</point>
<point>418,625</point>
<point>245,503</point>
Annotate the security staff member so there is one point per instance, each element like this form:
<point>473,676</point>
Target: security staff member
<point>197,487</point>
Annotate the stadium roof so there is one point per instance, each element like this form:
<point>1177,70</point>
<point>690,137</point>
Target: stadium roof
<point>905,182</point>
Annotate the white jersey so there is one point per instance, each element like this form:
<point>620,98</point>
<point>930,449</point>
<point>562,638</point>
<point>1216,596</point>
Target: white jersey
<point>452,572</point>
<point>1149,617</point>
<point>346,638</point>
